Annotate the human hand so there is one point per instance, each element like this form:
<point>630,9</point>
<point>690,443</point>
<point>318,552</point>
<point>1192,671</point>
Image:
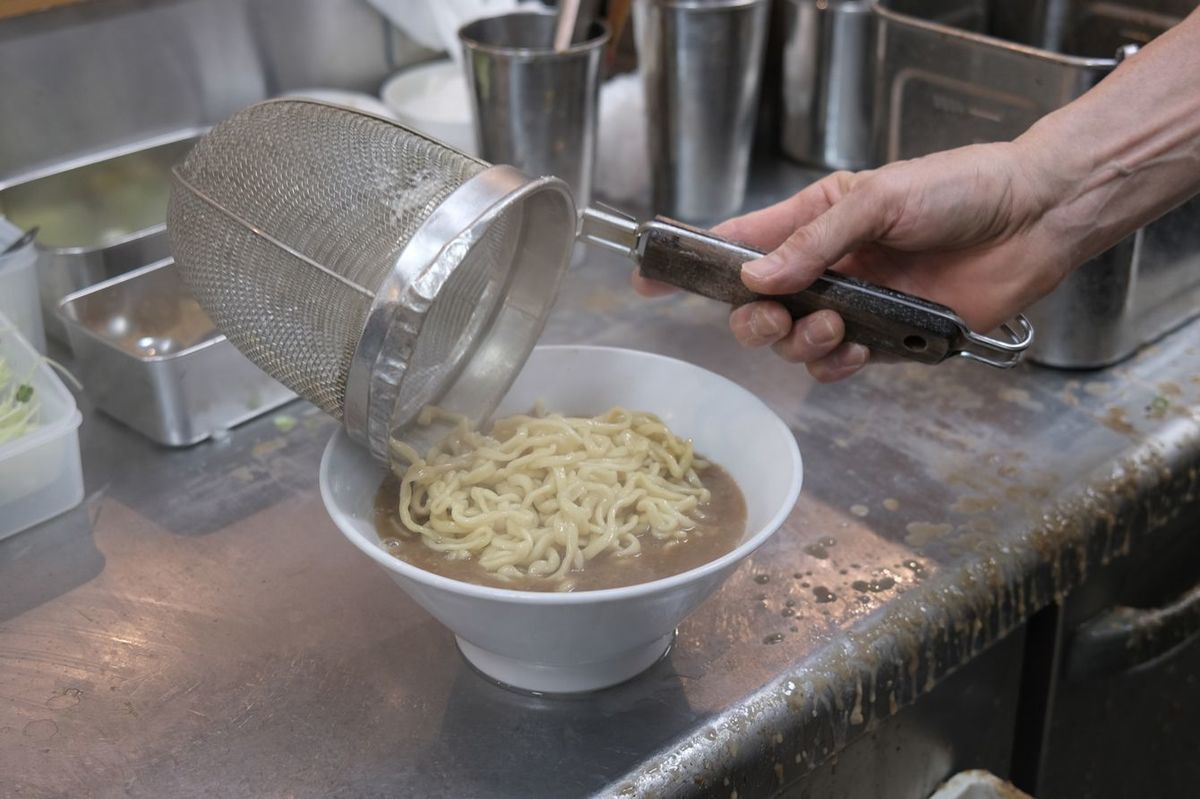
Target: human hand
<point>970,228</point>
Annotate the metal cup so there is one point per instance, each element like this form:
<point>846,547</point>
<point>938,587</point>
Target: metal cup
<point>829,83</point>
<point>701,63</point>
<point>534,107</point>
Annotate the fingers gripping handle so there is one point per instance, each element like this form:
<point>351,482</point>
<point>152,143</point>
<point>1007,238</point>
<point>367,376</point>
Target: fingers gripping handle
<point>889,322</point>
<point>886,321</point>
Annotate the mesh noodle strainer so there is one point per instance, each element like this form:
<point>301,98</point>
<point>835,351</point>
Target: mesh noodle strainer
<point>375,271</point>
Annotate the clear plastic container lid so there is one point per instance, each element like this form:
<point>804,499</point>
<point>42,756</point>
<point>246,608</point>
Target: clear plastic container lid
<point>19,299</point>
<point>39,468</point>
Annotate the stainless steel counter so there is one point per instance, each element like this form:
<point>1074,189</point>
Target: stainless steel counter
<point>199,627</point>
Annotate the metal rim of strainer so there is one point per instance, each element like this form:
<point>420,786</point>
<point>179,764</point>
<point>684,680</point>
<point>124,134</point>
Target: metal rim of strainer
<point>474,386</point>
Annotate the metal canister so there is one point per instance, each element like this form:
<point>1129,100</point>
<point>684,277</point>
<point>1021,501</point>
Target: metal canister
<point>701,63</point>
<point>828,83</point>
<point>535,108</point>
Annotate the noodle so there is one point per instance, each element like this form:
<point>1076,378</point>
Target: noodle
<point>542,495</point>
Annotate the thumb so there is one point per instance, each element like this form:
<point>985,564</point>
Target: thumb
<point>857,219</point>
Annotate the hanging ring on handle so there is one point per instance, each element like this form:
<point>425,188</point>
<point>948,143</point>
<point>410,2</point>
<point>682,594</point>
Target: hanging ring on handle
<point>1003,354</point>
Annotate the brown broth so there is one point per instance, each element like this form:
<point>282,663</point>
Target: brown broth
<point>721,523</point>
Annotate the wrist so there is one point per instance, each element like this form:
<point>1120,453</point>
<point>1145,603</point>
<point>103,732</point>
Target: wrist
<point>1073,188</point>
<point>1053,163</point>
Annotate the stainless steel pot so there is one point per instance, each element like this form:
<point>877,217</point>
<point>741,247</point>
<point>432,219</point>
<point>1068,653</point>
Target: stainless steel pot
<point>956,72</point>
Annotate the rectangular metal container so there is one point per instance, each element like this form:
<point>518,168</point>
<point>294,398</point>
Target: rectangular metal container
<point>149,356</point>
<point>97,218</point>
<point>958,72</point>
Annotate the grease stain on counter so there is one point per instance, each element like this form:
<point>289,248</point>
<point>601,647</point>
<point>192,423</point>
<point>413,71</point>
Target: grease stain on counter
<point>922,533</point>
<point>973,504</point>
<point>1116,419</point>
<point>1020,397</point>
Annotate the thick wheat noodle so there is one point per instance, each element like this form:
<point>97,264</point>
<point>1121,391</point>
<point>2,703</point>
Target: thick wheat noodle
<point>542,495</point>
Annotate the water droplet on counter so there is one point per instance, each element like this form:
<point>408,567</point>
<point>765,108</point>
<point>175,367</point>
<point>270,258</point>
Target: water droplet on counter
<point>762,579</point>
<point>791,603</point>
<point>823,594</point>
<point>773,638</point>
<point>820,548</point>
<point>787,612</point>
<point>41,730</point>
<point>874,586</point>
<point>916,567</point>
<point>760,597</point>
<point>68,698</point>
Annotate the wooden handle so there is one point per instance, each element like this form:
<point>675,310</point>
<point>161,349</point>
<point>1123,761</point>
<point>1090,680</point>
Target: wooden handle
<point>18,8</point>
<point>887,321</point>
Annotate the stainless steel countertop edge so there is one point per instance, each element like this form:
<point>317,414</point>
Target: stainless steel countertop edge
<point>897,655</point>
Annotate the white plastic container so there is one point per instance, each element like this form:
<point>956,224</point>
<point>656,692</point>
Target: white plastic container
<point>433,99</point>
<point>19,299</point>
<point>40,473</point>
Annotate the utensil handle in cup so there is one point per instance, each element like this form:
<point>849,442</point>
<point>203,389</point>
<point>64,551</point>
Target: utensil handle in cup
<point>887,321</point>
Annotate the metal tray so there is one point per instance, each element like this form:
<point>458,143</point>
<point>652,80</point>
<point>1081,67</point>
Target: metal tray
<point>150,357</point>
<point>98,217</point>
<point>956,72</point>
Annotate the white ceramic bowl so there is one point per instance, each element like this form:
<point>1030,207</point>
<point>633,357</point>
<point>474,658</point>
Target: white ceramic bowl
<point>568,642</point>
<point>433,98</point>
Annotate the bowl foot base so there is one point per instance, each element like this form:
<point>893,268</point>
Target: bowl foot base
<point>545,678</point>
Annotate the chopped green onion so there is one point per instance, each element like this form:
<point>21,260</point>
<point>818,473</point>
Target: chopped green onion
<point>18,408</point>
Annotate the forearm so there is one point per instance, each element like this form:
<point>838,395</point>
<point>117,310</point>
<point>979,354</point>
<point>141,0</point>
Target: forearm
<point>1126,152</point>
